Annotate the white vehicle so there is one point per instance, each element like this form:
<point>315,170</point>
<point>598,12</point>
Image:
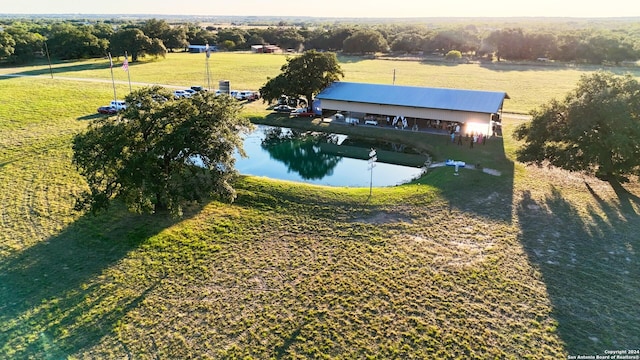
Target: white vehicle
<point>180,93</point>
<point>253,95</point>
<point>118,104</point>
<point>190,92</point>
<point>240,95</point>
<point>247,95</point>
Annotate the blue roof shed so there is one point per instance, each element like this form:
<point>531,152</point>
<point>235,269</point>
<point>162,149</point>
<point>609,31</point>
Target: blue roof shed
<point>474,101</point>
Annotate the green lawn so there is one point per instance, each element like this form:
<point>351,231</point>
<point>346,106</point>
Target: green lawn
<point>528,86</point>
<point>536,263</point>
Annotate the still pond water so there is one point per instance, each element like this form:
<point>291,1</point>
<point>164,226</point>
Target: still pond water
<point>288,154</point>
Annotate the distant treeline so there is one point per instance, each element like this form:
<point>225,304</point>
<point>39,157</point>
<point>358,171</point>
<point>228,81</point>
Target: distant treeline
<point>596,42</point>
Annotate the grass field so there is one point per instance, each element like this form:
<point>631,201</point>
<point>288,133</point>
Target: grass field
<point>528,86</point>
<point>536,263</point>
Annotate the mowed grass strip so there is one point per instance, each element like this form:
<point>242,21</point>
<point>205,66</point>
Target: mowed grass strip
<point>528,264</point>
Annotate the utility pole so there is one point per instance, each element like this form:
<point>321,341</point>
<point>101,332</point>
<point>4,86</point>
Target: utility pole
<point>125,67</point>
<point>48,58</point>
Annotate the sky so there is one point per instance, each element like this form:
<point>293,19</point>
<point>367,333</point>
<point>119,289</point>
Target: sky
<point>333,8</point>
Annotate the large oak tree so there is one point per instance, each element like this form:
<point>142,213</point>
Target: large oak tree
<point>594,130</point>
<point>305,75</point>
<point>161,153</point>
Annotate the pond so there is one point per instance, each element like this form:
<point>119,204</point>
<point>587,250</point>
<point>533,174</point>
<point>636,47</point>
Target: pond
<point>317,158</point>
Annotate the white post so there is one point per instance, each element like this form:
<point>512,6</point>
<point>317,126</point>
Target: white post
<point>372,160</point>
<point>115,98</point>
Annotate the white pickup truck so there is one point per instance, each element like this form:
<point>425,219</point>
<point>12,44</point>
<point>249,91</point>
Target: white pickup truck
<point>118,104</point>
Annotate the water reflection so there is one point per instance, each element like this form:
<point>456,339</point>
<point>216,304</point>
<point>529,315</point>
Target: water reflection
<point>289,154</point>
<point>300,151</point>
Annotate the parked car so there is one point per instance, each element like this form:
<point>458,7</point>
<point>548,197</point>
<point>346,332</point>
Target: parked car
<point>250,95</point>
<point>303,113</point>
<point>338,116</point>
<point>241,95</point>
<point>198,88</point>
<point>118,104</point>
<point>351,120</point>
<point>181,94</point>
<point>284,109</point>
<point>190,92</point>
<point>110,110</point>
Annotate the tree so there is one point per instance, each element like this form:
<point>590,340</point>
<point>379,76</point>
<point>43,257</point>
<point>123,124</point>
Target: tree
<point>510,43</point>
<point>67,41</point>
<point>595,129</point>
<point>365,41</point>
<point>453,39</point>
<point>156,29</point>
<point>132,40</point>
<point>335,38</point>
<point>304,75</point>
<point>287,37</point>
<point>161,153</point>
<point>157,48</point>
<point>102,30</point>
<point>410,41</point>
<point>176,38</point>
<point>6,45</point>
<point>453,55</point>
<point>201,36</point>
<point>27,42</point>
<point>232,38</point>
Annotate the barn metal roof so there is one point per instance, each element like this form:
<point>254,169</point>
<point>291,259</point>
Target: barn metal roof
<point>414,96</point>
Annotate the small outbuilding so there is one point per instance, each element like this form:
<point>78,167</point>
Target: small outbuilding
<point>471,111</point>
<point>265,49</point>
<point>202,48</point>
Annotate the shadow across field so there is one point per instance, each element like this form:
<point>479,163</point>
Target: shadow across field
<point>495,200</point>
<point>352,59</point>
<point>92,116</point>
<point>62,68</point>
<point>588,260</point>
<point>53,300</point>
<point>551,67</point>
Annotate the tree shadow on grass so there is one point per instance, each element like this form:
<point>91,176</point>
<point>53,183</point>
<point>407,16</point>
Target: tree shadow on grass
<point>628,201</point>
<point>588,261</point>
<point>52,301</point>
<point>352,58</point>
<point>472,190</point>
<point>92,116</point>
<point>59,68</point>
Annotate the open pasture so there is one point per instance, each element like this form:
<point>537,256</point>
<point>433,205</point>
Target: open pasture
<point>536,263</point>
<point>528,85</point>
